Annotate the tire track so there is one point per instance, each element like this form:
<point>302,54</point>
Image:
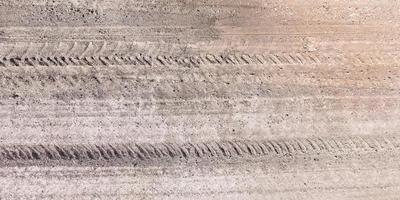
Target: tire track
<point>82,56</point>
<point>300,58</point>
<point>221,150</point>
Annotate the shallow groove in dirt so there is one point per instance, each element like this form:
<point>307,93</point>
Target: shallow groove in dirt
<point>208,59</point>
<point>134,154</point>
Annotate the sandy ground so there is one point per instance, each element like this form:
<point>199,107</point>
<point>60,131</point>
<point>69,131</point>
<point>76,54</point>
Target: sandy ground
<point>222,99</point>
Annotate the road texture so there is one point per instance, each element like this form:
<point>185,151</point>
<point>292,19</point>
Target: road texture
<point>211,99</point>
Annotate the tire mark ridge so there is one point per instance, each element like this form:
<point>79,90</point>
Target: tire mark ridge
<point>203,150</point>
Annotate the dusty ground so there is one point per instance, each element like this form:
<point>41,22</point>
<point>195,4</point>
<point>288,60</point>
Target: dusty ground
<point>213,99</point>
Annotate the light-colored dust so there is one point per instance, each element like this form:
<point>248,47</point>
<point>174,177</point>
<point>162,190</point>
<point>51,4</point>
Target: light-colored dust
<point>214,99</point>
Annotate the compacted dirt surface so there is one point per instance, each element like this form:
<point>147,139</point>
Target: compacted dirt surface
<point>210,99</point>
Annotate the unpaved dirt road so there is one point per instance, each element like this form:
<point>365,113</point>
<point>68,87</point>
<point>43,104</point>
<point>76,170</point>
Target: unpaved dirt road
<point>213,99</point>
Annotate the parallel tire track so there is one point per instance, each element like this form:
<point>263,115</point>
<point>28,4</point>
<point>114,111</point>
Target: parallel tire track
<point>237,149</point>
<point>278,58</point>
<point>297,58</point>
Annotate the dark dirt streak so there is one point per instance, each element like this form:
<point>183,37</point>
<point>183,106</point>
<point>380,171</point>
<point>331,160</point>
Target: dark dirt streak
<point>133,154</point>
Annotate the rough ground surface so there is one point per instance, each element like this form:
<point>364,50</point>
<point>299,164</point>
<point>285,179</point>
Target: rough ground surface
<point>187,99</point>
